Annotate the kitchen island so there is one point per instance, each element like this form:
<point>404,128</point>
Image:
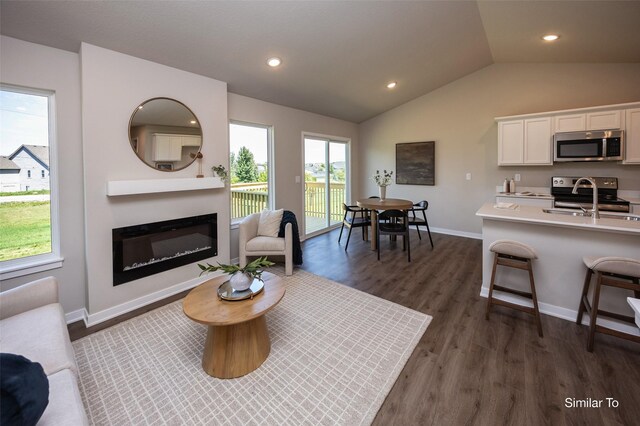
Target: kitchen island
<point>561,242</point>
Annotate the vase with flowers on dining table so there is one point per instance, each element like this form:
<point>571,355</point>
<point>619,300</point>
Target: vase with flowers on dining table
<point>383,180</point>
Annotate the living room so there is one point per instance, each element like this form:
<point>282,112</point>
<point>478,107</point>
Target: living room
<point>97,86</point>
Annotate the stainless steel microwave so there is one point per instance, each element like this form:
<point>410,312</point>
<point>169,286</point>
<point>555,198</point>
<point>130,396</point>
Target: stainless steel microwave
<point>597,145</point>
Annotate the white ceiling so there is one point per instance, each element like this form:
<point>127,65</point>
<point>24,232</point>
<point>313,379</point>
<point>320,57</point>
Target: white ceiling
<point>337,56</point>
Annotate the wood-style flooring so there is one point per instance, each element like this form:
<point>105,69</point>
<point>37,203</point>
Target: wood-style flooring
<point>466,370</point>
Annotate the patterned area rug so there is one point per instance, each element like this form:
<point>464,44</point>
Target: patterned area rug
<point>335,354</point>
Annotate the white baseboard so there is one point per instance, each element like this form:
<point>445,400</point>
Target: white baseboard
<point>75,316</point>
<point>560,312</point>
<point>456,233</point>
<point>107,314</point>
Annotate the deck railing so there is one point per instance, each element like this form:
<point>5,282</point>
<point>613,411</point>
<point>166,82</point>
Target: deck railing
<point>248,198</point>
<point>315,200</point>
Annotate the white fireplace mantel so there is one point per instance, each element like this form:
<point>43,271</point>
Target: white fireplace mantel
<point>152,186</point>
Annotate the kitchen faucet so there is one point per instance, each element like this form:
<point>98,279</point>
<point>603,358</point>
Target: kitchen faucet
<point>595,213</point>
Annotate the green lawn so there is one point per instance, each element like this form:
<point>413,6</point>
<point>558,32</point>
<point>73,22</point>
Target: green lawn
<point>38,192</point>
<point>25,229</point>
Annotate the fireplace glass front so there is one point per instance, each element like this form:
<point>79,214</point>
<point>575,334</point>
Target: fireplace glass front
<point>151,248</point>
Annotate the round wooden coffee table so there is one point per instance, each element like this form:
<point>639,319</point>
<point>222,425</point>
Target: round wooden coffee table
<point>237,338</point>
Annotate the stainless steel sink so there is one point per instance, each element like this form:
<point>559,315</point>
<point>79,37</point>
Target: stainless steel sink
<point>578,213</point>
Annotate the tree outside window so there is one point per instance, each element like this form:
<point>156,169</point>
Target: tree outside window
<point>249,168</point>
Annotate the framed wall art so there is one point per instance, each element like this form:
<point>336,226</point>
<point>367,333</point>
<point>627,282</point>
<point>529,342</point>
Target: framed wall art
<point>415,163</point>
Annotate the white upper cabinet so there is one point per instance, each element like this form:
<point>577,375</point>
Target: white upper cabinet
<point>527,139</point>
<point>599,120</point>
<point>524,142</point>
<point>570,123</point>
<point>604,120</point>
<point>632,137</point>
<point>510,142</point>
<point>168,147</point>
<point>537,141</point>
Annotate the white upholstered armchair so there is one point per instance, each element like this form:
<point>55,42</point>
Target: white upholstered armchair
<point>251,244</point>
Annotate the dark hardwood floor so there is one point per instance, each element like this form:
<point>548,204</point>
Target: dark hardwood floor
<point>466,370</point>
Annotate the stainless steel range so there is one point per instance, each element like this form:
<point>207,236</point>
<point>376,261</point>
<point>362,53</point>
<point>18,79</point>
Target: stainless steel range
<point>561,187</point>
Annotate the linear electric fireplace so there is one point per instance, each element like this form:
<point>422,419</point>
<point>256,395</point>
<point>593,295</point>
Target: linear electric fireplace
<point>151,248</point>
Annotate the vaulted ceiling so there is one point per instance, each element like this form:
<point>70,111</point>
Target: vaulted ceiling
<point>337,55</point>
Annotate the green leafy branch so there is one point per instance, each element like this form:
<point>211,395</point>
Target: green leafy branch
<point>254,268</point>
<point>221,172</point>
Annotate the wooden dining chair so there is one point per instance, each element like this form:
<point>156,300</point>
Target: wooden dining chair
<point>354,217</point>
<point>394,223</point>
<point>420,207</point>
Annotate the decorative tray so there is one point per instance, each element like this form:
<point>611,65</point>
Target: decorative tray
<point>226,292</point>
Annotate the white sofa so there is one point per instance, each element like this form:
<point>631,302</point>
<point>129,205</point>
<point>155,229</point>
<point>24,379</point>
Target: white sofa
<point>32,324</point>
<point>251,244</point>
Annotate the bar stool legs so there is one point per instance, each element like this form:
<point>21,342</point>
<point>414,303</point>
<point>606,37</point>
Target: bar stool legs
<point>514,255</point>
<point>613,272</point>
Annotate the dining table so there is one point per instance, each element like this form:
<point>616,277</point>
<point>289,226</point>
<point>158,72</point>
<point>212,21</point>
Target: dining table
<point>377,204</point>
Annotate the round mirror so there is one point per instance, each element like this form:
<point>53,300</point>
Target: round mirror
<point>165,134</point>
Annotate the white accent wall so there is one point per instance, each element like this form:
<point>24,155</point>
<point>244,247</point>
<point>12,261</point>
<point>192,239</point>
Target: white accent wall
<point>113,85</point>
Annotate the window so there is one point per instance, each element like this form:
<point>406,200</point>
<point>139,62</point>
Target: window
<point>42,173</point>
<point>28,227</point>
<point>326,182</point>
<point>251,170</point>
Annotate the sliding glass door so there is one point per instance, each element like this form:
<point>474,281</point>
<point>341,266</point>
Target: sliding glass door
<point>326,170</point>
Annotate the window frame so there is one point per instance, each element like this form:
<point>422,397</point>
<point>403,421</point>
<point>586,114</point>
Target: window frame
<point>270,169</point>
<point>46,261</point>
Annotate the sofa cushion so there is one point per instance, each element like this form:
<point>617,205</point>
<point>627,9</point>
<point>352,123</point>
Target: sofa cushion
<point>40,335</point>
<point>269,223</point>
<point>65,404</point>
<point>260,244</point>
<point>25,390</point>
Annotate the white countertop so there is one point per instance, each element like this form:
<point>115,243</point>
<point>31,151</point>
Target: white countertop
<point>535,215</point>
<point>635,305</point>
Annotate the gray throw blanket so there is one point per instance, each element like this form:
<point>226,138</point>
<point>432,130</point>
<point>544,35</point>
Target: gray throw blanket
<point>290,217</point>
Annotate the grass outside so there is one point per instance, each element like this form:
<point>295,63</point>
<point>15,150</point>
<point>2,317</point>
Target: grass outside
<point>25,229</point>
<point>38,192</point>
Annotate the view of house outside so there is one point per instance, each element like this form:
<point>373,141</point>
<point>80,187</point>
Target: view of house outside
<point>25,209</point>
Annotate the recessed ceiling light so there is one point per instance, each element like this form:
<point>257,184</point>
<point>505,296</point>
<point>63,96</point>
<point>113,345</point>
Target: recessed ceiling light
<point>551,37</point>
<point>391,85</point>
<point>193,122</point>
<point>274,62</point>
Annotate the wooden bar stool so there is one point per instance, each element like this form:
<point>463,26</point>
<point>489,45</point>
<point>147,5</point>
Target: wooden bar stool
<point>514,254</point>
<point>620,272</point>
